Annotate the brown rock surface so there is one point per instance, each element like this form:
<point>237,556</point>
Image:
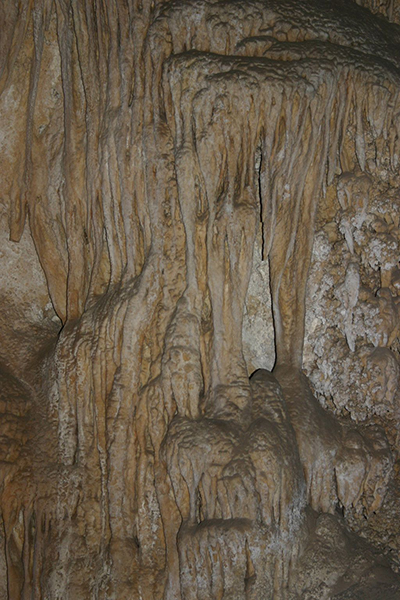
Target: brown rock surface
<point>194,194</point>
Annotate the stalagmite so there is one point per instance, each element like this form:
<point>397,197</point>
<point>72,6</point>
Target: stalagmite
<point>155,155</point>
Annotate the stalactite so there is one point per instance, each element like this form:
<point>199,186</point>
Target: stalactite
<point>174,128</point>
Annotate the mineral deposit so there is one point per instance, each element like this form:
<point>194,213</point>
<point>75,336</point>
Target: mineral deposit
<point>200,300</point>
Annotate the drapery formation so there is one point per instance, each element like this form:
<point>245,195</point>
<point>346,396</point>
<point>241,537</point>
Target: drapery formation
<point>146,144</point>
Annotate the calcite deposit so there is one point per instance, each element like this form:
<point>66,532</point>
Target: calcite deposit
<point>200,300</point>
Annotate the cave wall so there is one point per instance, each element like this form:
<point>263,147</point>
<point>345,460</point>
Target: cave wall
<point>199,301</point>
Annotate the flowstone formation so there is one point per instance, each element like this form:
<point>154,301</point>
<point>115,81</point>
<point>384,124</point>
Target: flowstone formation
<point>200,300</point>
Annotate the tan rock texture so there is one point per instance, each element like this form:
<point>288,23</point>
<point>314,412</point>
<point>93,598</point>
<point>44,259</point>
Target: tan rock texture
<point>200,296</point>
